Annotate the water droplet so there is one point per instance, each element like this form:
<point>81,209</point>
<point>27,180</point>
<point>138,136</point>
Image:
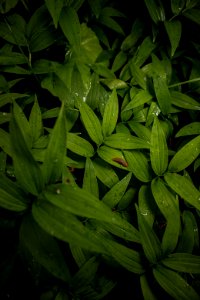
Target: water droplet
<point>4,113</point>
<point>58,191</point>
<point>144,213</point>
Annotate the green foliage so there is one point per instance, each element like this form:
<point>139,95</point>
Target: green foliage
<point>99,149</point>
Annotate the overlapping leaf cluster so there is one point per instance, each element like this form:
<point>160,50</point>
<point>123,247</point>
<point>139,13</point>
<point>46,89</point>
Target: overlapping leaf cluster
<point>100,143</point>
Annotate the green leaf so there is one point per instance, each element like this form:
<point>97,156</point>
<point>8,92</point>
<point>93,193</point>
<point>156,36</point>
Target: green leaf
<point>177,6</point>
<point>90,45</point>
<point>184,101</point>
<point>13,58</point>
<point>184,188</point>
<point>138,76</point>
<point>43,248</point>
<point>160,86</point>
<point>136,32</point>
<point>56,150</point>
<point>84,204</point>
<point>35,121</point>
<point>193,15</point>
<point>5,143</point>
<point>169,207</point>
<point>10,97</point>
<point>138,164</point>
<point>22,123</point>
<point>187,237</point>
<point>183,262</point>
<point>146,290</point>
<point>114,84</point>
<point>106,19</point>
<point>174,284</point>
<point>115,194</point>
<point>7,5</point>
<point>150,242</point>
<point>105,173</point>
<point>12,29</point>
<point>126,199</point>
<point>140,130</point>
<point>189,129</point>
<point>27,170</point>
<point>91,123</point>
<point>79,145</point>
<point>110,114</point>
<point>139,99</point>
<point>125,141</point>
<point>143,51</point>
<point>12,197</point>
<point>93,95</point>
<point>90,183</point>
<point>55,7</point>
<point>69,23</point>
<point>185,156</point>
<point>156,10</point>
<point>147,204</point>
<point>113,156</point>
<point>65,226</point>
<point>174,29</point>
<point>158,149</point>
<point>119,60</point>
<point>40,31</point>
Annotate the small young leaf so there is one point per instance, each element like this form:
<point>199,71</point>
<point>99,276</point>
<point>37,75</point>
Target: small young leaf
<point>150,242</point>
<point>184,187</point>
<point>183,262</point>
<point>158,149</point>
<point>79,145</point>
<point>174,284</point>
<point>173,29</point>
<point>189,129</point>
<point>91,123</point>
<point>90,183</point>
<point>138,164</point>
<point>169,207</point>
<point>56,150</point>
<point>125,141</point>
<point>110,114</point>
<point>114,195</point>
<point>185,156</point>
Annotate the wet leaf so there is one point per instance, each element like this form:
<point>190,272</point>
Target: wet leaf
<point>125,141</point>
<point>79,145</point>
<point>90,183</point>
<point>105,173</point>
<point>110,114</point>
<point>189,129</point>
<point>184,101</point>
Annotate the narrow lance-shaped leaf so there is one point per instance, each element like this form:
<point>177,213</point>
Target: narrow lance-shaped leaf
<point>35,121</point>
<point>79,145</point>
<point>110,114</point>
<point>55,7</point>
<point>83,203</point>
<point>114,195</point>
<point>126,141</point>
<point>150,242</point>
<point>158,149</point>
<point>174,284</point>
<point>185,156</point>
<point>44,248</point>
<point>56,150</point>
<point>146,290</point>
<point>114,157</point>
<point>183,262</point>
<point>12,197</point>
<point>156,10</point>
<point>138,164</point>
<point>189,129</point>
<point>91,123</point>
<point>105,173</point>
<point>184,101</point>
<point>70,26</point>
<point>140,98</point>
<point>184,187</point>
<point>90,183</point>
<point>173,29</point>
<point>27,170</point>
<point>147,205</point>
<point>169,207</point>
<point>66,226</point>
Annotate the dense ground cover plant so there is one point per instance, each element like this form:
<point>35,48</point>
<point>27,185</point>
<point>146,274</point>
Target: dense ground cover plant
<point>99,149</point>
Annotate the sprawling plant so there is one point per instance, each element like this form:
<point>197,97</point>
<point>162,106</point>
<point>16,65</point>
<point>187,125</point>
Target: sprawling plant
<point>99,149</point>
